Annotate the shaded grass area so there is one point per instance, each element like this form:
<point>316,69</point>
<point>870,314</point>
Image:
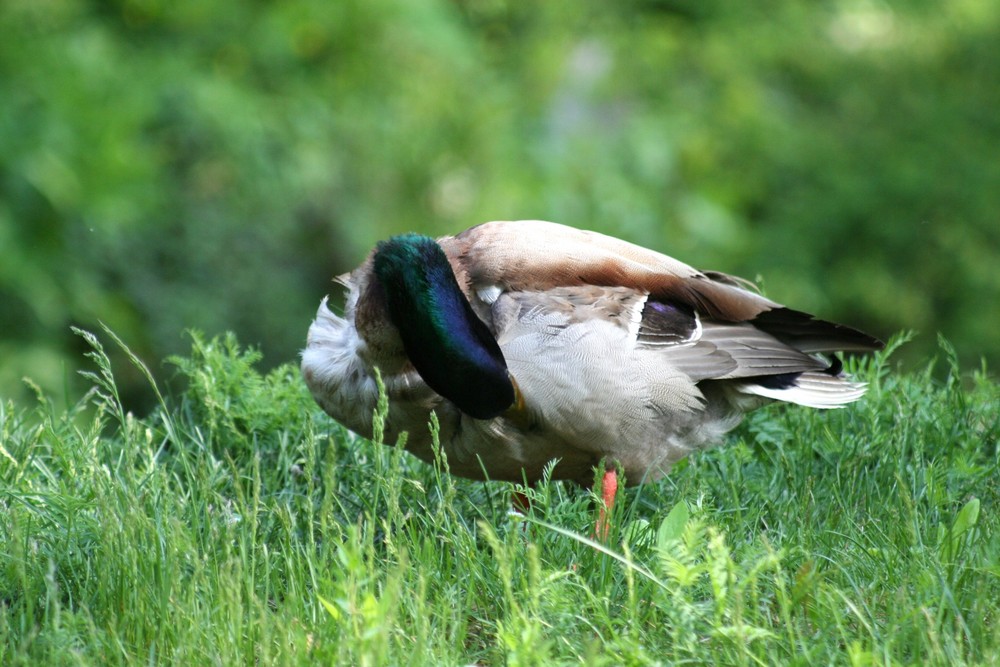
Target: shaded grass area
<point>239,525</point>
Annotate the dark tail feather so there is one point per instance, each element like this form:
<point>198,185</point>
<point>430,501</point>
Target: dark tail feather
<point>808,334</point>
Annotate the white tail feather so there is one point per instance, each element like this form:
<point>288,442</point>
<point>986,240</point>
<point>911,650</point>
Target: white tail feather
<point>813,390</point>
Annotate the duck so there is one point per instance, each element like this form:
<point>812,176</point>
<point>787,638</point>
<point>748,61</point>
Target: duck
<point>550,351</point>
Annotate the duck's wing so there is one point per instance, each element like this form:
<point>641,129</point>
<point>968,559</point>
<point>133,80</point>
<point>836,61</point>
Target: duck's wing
<point>535,256</point>
<point>587,349</point>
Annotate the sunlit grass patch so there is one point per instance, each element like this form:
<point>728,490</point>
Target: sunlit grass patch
<point>237,524</point>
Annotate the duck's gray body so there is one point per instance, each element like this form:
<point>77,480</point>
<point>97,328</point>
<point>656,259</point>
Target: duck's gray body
<point>617,353</point>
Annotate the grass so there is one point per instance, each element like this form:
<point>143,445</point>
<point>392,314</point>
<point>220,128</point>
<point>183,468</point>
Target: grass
<point>239,525</point>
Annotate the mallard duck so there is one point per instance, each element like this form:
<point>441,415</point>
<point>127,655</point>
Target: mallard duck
<point>535,342</point>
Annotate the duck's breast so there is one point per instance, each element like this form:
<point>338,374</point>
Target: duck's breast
<point>587,381</point>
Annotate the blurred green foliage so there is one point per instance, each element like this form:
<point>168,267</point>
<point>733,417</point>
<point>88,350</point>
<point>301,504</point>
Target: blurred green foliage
<point>211,165</point>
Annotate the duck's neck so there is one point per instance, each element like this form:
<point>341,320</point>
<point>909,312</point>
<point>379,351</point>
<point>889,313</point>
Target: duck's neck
<point>452,349</point>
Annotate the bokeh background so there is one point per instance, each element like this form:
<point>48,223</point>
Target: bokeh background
<point>208,164</point>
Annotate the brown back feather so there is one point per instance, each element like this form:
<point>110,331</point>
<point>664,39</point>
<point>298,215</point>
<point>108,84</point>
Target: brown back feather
<point>536,255</point>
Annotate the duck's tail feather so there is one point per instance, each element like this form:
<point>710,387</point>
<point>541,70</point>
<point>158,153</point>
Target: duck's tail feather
<point>812,389</point>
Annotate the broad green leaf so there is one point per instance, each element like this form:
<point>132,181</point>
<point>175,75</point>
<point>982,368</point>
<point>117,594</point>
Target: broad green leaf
<point>672,527</point>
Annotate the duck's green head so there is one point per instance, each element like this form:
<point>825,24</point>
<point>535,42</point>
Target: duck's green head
<point>452,349</point>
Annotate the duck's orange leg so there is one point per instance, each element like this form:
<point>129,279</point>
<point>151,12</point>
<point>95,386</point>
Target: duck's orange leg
<point>609,488</point>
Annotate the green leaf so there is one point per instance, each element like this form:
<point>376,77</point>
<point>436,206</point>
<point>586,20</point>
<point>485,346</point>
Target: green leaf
<point>330,608</point>
<point>672,528</point>
<point>966,519</point>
